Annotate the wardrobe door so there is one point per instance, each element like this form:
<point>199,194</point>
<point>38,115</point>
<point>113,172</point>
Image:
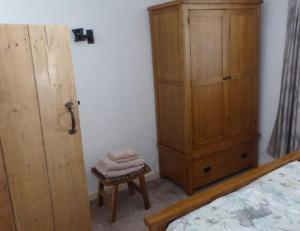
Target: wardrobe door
<point>6,213</point>
<point>207,63</point>
<point>240,89</point>
<point>55,86</point>
<point>21,134</point>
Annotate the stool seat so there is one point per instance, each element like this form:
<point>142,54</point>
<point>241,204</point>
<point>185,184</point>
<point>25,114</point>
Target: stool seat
<point>109,181</point>
<point>114,182</point>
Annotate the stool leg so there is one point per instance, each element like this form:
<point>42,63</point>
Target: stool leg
<point>114,203</point>
<point>144,191</point>
<point>100,197</point>
<point>130,188</point>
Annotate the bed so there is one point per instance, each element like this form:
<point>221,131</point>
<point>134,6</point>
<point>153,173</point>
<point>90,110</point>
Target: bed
<point>266,198</point>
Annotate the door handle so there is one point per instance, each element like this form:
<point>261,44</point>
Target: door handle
<point>69,106</point>
<point>227,78</point>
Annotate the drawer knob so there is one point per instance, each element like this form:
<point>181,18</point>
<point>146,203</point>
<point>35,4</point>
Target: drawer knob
<point>207,169</point>
<point>244,155</point>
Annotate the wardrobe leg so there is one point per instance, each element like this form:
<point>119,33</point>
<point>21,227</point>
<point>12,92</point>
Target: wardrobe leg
<point>190,192</point>
<point>189,187</point>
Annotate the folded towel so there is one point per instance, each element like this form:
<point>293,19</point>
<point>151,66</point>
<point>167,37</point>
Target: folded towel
<point>117,172</point>
<point>110,165</point>
<point>122,154</point>
<point>123,160</point>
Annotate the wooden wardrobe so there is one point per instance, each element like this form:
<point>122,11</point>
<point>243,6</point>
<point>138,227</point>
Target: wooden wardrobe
<point>42,177</point>
<point>206,66</point>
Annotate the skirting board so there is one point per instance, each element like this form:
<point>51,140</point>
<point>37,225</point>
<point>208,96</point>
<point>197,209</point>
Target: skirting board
<point>149,177</point>
<point>265,158</point>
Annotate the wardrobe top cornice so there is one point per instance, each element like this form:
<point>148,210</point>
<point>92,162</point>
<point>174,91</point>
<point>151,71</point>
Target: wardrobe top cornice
<point>179,2</point>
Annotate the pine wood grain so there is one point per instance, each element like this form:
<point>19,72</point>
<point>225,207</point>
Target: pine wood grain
<point>7,222</point>
<point>20,133</point>
<point>55,86</point>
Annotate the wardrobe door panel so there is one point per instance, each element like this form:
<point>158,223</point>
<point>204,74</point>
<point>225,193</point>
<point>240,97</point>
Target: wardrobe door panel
<point>240,90</point>
<point>166,45</point>
<point>242,41</point>
<point>20,133</point>
<point>170,98</point>
<point>55,86</point>
<point>206,36</point>
<point>6,212</point>
<point>207,101</point>
<point>207,63</point>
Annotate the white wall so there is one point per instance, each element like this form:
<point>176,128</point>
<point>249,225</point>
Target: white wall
<point>114,76</point>
<point>274,21</point>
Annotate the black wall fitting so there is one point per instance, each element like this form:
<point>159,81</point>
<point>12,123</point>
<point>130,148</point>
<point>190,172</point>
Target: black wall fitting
<point>80,36</point>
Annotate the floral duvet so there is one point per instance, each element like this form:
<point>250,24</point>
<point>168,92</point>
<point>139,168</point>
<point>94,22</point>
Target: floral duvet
<point>271,203</point>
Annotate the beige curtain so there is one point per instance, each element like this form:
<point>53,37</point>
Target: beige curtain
<point>286,133</point>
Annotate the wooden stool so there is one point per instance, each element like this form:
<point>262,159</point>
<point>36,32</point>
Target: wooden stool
<point>116,181</point>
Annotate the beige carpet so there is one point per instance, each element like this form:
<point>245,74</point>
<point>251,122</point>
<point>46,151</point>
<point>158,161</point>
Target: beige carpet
<point>131,210</point>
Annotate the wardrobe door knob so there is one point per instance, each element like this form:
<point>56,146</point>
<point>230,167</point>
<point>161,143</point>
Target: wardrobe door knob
<point>227,78</point>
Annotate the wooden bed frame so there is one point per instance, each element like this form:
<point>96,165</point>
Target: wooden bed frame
<point>160,220</point>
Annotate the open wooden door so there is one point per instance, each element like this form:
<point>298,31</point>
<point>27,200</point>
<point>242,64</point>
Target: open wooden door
<point>43,160</point>
<point>6,213</point>
<point>21,134</point>
<point>54,77</point>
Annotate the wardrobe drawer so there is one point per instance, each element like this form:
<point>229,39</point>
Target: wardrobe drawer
<point>225,163</point>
